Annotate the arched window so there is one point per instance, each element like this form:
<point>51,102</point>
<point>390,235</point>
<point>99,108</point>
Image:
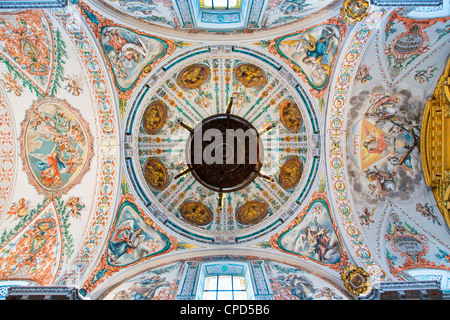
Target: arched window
<point>224,279</point>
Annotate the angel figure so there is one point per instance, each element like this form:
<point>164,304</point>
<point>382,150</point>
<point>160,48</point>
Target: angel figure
<point>128,47</point>
<point>150,246</point>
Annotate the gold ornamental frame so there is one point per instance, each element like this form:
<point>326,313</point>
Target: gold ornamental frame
<point>435,143</point>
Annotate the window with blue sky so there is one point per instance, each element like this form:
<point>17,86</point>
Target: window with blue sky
<point>220,4</point>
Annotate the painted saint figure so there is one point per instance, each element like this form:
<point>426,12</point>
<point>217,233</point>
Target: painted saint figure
<point>316,241</point>
<point>375,145</point>
<point>50,170</point>
<point>128,46</point>
<point>125,241</point>
<point>383,109</point>
<point>318,50</point>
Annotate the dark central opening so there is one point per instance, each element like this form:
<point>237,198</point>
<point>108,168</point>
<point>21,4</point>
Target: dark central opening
<point>220,163</point>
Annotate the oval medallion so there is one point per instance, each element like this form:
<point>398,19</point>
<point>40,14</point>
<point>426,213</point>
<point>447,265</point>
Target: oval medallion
<point>252,212</point>
<point>196,213</point>
<point>290,173</point>
<point>250,75</point>
<point>155,173</point>
<point>193,76</point>
<point>290,116</point>
<point>57,146</point>
<point>154,117</point>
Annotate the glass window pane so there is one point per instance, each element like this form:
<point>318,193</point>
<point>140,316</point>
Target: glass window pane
<point>210,283</point>
<point>238,283</point>
<point>240,295</point>
<point>220,4</point>
<point>206,3</point>
<point>225,283</point>
<point>234,4</point>
<point>209,295</point>
<point>225,295</point>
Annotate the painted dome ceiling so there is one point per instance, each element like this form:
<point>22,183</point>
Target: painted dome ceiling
<point>105,185</point>
<point>199,88</point>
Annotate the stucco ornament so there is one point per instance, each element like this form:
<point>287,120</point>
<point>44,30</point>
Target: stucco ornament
<point>353,11</point>
<point>356,280</point>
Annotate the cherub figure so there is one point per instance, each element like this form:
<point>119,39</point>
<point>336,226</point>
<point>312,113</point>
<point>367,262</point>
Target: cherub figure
<point>365,216</point>
<point>427,211</point>
<point>73,85</point>
<point>363,73</point>
<point>18,210</point>
<point>74,206</point>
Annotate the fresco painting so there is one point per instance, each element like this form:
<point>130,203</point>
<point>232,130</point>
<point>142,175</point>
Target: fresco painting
<point>314,236</point>
<point>196,87</point>
<point>385,142</point>
<point>132,239</point>
<point>129,53</point>
<point>155,284</point>
<point>291,283</point>
<point>57,145</point>
<point>310,52</point>
<point>179,15</point>
<point>158,12</point>
<point>35,252</point>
